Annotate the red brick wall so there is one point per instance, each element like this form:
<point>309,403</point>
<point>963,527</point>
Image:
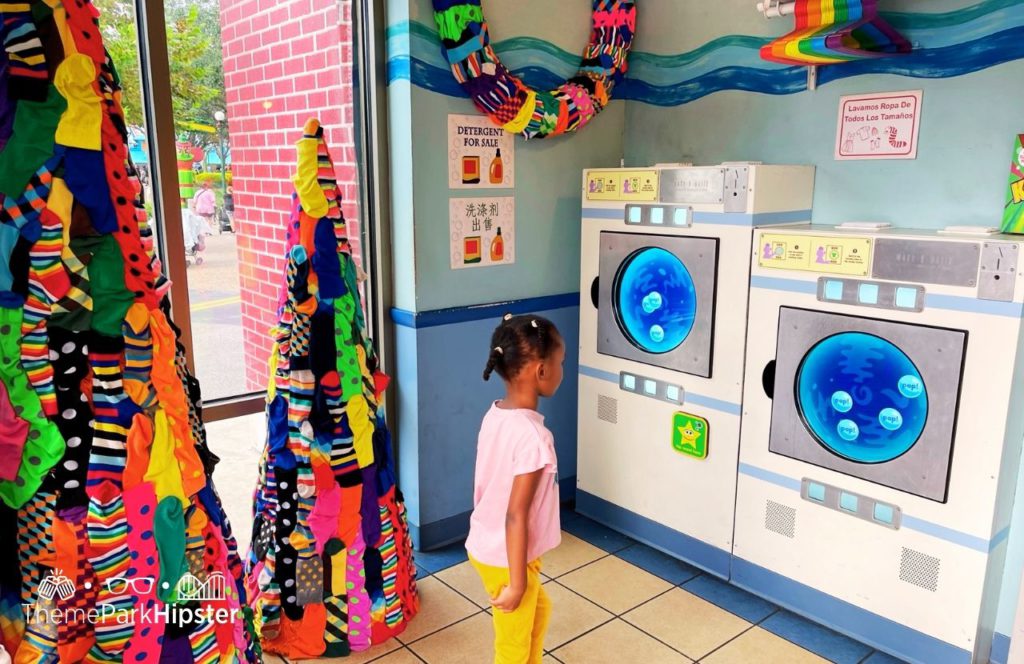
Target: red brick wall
<point>284,62</point>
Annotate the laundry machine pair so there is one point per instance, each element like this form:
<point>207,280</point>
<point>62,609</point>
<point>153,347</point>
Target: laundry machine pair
<point>665,275</point>
<point>823,415</point>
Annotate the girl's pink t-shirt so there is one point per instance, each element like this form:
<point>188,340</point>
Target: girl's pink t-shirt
<point>513,442</point>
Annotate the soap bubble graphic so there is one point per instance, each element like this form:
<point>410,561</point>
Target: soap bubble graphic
<point>655,300</point>
<point>861,397</point>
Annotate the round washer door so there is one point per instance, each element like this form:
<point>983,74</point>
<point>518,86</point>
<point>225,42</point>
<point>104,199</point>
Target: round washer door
<point>655,300</point>
<point>862,397</point>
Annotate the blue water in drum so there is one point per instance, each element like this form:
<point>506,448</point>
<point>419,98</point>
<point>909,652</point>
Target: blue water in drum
<point>862,397</point>
<point>655,300</point>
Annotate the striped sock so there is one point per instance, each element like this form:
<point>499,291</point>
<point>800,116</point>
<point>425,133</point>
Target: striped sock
<point>203,640</point>
<point>35,360</point>
<point>28,69</point>
<point>45,257</point>
<point>138,356</point>
<point>107,529</point>
<point>300,404</point>
<point>344,462</point>
<point>336,599</point>
<point>389,569</point>
<point>113,411</point>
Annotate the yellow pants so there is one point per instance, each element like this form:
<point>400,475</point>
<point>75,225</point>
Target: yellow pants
<point>518,636</point>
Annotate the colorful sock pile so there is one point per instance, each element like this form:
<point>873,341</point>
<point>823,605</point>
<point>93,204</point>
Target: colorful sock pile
<point>331,559</point>
<point>509,102</point>
<point>105,478</point>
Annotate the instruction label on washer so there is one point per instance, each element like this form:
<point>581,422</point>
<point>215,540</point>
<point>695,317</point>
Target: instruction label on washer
<point>630,186</point>
<point>828,255</point>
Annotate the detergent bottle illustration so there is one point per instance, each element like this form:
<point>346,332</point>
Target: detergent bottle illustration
<point>498,247</point>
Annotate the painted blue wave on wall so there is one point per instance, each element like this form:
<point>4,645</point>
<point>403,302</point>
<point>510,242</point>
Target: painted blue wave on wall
<point>946,45</point>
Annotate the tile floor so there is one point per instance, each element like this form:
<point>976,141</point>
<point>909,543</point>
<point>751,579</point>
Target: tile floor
<point>615,601</point>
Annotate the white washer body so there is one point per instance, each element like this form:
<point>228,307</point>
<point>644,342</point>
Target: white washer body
<point>630,476</point>
<point>912,564</point>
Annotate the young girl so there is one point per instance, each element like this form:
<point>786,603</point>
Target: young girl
<point>515,515</point>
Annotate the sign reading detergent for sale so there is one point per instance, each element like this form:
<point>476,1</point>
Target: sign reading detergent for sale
<point>879,126</point>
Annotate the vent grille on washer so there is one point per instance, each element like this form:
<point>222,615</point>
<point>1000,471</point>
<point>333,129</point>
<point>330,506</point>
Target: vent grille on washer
<point>920,569</point>
<point>607,409</point>
<point>780,519</point>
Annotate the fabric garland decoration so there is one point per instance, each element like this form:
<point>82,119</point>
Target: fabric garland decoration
<point>506,99</point>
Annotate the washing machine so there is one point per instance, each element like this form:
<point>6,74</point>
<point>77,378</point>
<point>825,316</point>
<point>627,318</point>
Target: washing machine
<point>882,431</point>
<point>664,283</point>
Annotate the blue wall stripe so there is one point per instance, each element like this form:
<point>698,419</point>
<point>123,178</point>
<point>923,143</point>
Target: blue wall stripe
<point>654,534</point>
<point>456,315</point>
<point>1000,649</point>
<point>689,397</point>
<point>942,62</point>
<point>870,628</point>
<point>935,530</point>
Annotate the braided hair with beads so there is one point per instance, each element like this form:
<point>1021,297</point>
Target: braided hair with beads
<point>518,340</point>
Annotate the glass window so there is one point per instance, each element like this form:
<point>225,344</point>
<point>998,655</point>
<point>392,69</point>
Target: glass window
<point>245,76</point>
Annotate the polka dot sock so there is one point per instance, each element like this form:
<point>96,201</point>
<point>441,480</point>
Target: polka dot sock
<point>169,532</point>
<point>287,515</point>
<point>69,357</point>
<point>140,507</point>
<point>358,600</point>
<point>114,412</point>
<point>44,445</point>
<point>347,358</point>
<point>13,434</point>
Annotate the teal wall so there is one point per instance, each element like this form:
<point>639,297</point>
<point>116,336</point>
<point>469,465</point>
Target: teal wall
<point>441,348</point>
<point>967,128</point>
